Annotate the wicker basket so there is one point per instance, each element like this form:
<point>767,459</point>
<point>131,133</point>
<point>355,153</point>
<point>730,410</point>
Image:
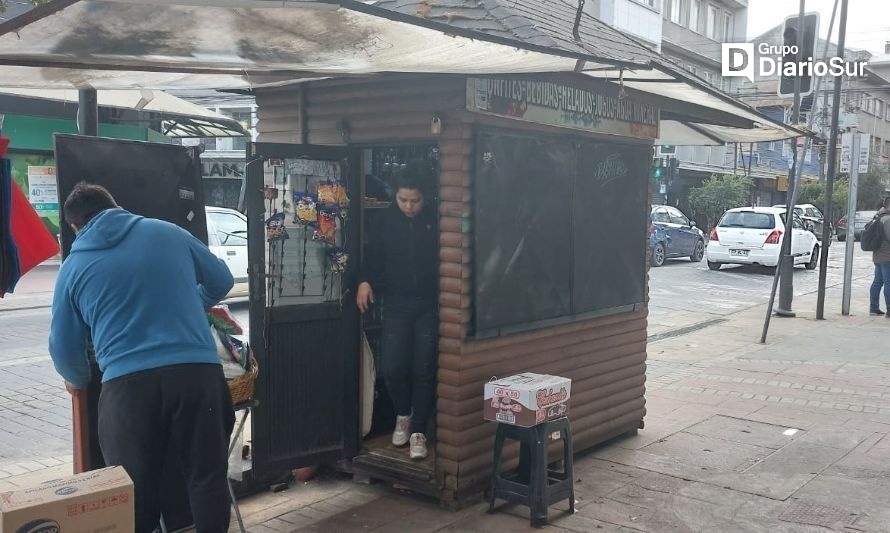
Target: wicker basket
<point>242,387</point>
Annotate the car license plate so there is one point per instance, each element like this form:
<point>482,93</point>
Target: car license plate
<point>738,253</point>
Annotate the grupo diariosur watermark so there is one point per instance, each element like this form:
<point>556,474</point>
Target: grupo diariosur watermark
<point>738,61</point>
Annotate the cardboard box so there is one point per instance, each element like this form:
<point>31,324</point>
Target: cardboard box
<point>527,399</point>
<point>92,502</point>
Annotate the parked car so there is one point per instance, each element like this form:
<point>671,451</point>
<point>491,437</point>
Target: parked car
<point>812,218</point>
<point>227,239</point>
<point>753,236</point>
<point>862,218</point>
<point>672,234</point>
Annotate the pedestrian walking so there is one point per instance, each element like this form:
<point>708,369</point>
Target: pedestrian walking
<point>402,259</point>
<point>881,258</point>
<point>138,289</point>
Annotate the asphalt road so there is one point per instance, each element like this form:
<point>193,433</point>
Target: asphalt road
<point>35,409</point>
<point>681,286</point>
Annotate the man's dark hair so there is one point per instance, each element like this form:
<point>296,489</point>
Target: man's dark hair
<point>416,175</point>
<point>86,201</point>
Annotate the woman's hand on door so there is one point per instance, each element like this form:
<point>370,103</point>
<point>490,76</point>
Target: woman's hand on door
<point>364,297</point>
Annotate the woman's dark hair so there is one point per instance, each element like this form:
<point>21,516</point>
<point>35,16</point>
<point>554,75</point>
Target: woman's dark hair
<point>416,175</point>
<point>86,201</point>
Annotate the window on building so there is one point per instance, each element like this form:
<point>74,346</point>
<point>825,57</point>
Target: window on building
<point>694,14</point>
<point>879,107</point>
<point>711,27</point>
<point>244,117</point>
<point>727,26</point>
<point>887,147</point>
<point>707,76</point>
<point>676,11</point>
<point>209,143</point>
<point>772,146</point>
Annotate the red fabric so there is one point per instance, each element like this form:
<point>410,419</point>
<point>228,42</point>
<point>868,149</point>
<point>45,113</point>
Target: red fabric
<point>35,243</point>
<point>4,145</point>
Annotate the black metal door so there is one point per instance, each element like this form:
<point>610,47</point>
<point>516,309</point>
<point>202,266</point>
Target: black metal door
<point>303,207</point>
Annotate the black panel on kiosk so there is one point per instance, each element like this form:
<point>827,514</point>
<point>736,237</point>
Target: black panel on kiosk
<point>150,179</point>
<point>155,180</point>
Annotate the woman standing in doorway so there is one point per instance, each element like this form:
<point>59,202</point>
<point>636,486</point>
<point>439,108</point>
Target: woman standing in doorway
<point>402,260</point>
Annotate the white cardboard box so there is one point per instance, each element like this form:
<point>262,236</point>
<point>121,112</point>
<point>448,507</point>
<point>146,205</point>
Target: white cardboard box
<point>92,502</point>
<point>527,399</point>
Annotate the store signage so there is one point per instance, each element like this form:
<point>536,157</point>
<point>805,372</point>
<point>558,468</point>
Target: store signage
<point>43,193</point>
<point>554,104</point>
<point>220,169</point>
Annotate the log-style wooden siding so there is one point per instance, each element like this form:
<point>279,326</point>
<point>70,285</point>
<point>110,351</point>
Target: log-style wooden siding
<point>605,357</point>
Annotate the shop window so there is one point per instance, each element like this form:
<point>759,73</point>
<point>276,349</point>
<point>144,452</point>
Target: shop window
<point>555,238</point>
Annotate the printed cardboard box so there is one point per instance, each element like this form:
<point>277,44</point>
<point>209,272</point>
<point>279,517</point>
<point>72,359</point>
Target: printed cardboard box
<point>527,399</point>
<point>92,502</point>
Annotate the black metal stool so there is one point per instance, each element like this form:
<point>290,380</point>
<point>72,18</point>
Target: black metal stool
<point>532,483</point>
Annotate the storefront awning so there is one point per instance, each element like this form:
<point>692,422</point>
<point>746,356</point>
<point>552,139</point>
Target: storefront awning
<point>179,118</point>
<point>232,44</point>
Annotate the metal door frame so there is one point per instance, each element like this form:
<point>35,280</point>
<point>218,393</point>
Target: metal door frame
<point>260,317</point>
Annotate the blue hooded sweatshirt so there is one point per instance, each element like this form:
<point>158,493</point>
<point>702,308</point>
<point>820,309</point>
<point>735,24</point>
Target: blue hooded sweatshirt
<point>140,287</point>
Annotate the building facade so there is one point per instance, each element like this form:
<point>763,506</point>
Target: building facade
<point>865,103</point>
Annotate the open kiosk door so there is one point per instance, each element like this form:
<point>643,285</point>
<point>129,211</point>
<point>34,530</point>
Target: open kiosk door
<point>154,180</point>
<point>303,208</point>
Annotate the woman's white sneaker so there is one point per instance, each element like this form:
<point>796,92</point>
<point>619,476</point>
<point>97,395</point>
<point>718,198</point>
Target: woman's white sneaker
<point>418,446</point>
<point>401,434</point>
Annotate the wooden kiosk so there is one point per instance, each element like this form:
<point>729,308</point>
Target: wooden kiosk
<point>542,199</point>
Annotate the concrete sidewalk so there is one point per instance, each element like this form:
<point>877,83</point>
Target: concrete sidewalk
<point>787,436</point>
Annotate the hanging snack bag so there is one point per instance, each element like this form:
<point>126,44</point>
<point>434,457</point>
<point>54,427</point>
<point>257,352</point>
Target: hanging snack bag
<point>326,195</point>
<point>327,224</point>
<point>338,259</point>
<point>275,230</point>
<point>340,198</point>
<point>305,208</point>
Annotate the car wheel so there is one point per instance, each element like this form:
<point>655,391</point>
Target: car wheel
<point>699,252</point>
<point>714,266</point>
<point>814,259</point>
<point>658,255</point>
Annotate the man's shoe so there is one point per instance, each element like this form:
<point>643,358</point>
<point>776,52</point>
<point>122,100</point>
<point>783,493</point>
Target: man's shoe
<point>418,446</point>
<point>400,435</point>
<point>876,312</point>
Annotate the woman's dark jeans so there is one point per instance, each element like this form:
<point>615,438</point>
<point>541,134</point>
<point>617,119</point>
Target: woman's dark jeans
<point>410,334</point>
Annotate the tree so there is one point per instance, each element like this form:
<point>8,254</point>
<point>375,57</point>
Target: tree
<point>872,185</point>
<point>717,194</point>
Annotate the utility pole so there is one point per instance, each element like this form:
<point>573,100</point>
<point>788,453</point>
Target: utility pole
<point>87,112</point>
<point>786,262</point>
<point>832,168</point>
<point>851,220</point>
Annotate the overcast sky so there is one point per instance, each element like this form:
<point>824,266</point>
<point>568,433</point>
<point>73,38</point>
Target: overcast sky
<point>868,21</point>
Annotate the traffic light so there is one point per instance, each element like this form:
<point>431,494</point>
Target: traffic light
<point>807,53</point>
<point>658,169</point>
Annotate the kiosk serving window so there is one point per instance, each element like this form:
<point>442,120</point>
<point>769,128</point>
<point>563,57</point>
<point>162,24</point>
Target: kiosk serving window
<point>553,241</point>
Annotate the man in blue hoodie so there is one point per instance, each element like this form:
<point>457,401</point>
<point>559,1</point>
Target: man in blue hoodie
<point>138,288</point>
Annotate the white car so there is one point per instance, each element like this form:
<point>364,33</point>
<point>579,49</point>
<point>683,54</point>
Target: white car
<point>227,239</point>
<point>753,236</point>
